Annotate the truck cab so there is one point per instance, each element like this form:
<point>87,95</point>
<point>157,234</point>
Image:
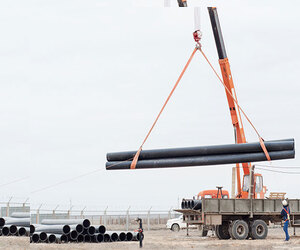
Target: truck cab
<point>214,193</point>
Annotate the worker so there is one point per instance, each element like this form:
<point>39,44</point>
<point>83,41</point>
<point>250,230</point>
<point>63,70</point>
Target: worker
<point>285,214</point>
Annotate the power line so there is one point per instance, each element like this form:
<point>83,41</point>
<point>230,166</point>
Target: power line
<point>280,167</point>
<point>14,181</point>
<point>278,171</point>
<point>74,178</point>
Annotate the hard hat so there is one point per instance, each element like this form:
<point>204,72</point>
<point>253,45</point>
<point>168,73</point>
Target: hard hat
<point>284,203</point>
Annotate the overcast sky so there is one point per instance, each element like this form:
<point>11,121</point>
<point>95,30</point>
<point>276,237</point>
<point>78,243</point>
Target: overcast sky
<point>82,78</point>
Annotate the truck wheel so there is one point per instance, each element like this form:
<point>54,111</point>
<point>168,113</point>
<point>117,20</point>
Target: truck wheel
<point>222,231</point>
<point>204,232</point>
<point>175,227</point>
<point>240,230</point>
<point>259,230</point>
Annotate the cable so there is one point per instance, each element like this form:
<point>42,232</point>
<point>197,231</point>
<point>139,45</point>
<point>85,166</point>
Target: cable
<point>15,181</point>
<point>280,167</point>
<point>261,141</point>
<point>278,171</point>
<point>136,157</point>
<point>75,177</point>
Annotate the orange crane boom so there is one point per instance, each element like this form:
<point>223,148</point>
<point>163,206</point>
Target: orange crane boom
<point>237,123</point>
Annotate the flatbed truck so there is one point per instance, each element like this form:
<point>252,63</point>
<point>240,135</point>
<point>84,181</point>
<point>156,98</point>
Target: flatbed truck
<point>240,218</point>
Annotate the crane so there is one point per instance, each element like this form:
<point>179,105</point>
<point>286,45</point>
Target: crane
<point>182,3</point>
<point>242,188</point>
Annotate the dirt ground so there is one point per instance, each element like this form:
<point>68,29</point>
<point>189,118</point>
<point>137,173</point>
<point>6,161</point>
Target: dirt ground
<point>165,239</point>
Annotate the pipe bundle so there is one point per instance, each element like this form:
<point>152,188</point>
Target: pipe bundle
<point>15,225</point>
<point>191,204</point>
<point>75,230</point>
<point>202,156</point>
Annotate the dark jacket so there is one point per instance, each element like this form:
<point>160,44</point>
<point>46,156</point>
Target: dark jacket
<point>284,213</point>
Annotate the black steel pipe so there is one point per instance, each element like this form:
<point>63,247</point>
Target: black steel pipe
<point>99,238</point>
<point>32,229</point>
<point>5,231</point>
<point>73,235</point>
<point>279,145</point>
<point>53,229</point>
<point>122,236</point>
<point>196,204</point>
<point>129,236</point>
<point>87,238</point>
<point>13,229</point>
<point>136,236</point>
<point>101,229</point>
<point>91,230</point>
<point>113,235</point>
<point>22,231</point>
<point>64,238</point>
<point>51,238</point>
<point>85,222</point>
<point>35,238</point>
<point>80,238</point>
<point>202,160</point>
<point>14,221</point>
<point>43,236</point>
<point>106,237</point>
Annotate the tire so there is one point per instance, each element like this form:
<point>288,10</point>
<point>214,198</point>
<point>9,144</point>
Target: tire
<point>175,227</point>
<point>222,231</point>
<point>259,230</point>
<point>204,232</point>
<point>239,230</point>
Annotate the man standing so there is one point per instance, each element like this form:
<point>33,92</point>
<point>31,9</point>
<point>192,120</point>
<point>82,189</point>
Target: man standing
<point>285,214</point>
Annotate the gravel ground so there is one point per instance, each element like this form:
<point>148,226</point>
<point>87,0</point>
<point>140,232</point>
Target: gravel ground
<point>165,239</point>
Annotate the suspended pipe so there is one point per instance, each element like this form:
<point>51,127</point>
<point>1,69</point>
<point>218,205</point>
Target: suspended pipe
<point>202,160</point>
<point>255,147</point>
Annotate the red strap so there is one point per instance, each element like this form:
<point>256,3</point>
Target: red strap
<point>261,141</point>
<point>135,159</point>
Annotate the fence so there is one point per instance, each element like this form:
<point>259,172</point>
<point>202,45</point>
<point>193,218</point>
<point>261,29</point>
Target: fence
<point>7,208</point>
<point>121,219</point>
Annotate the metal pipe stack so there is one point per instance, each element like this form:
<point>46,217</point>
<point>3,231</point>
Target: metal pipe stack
<point>202,156</point>
<point>15,225</point>
<point>76,231</point>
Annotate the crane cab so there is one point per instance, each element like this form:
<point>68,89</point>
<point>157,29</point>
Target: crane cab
<point>259,189</point>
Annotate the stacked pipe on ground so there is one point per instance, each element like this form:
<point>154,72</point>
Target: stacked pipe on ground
<point>204,155</point>
<point>76,230</point>
<point>15,225</point>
